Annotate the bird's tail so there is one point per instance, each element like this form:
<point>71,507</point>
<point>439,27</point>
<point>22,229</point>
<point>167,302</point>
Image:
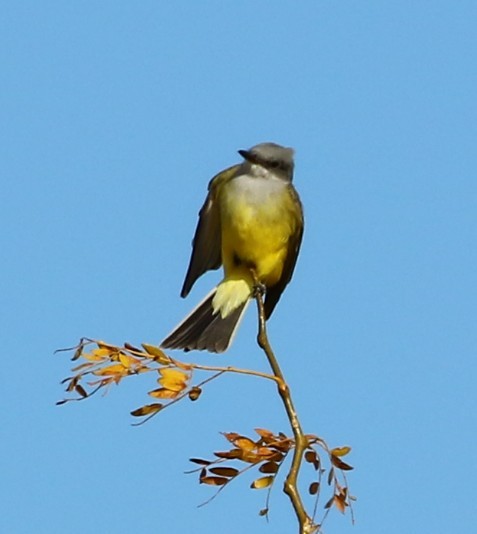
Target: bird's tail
<point>205,328</point>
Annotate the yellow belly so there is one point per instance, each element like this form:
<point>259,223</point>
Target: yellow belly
<point>256,227</point>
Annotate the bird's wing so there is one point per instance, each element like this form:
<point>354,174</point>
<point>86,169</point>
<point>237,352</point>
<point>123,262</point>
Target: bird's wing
<point>273,293</point>
<point>207,242</point>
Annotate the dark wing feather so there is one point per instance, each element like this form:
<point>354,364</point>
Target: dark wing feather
<point>203,329</point>
<point>273,293</point>
<point>207,242</point>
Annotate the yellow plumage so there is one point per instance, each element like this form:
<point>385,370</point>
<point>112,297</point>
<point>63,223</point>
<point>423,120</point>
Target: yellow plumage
<point>252,224</point>
<point>258,216</point>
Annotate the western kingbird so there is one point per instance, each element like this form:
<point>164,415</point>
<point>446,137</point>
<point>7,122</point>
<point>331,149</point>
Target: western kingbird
<point>252,219</point>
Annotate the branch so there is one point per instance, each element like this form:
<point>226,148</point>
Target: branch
<point>105,364</point>
<point>307,525</point>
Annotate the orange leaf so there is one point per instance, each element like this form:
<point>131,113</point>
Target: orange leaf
<point>262,482</point>
<point>147,410</point>
<point>182,365</point>
<point>91,357</point>
<point>340,464</point>
<point>102,352</point>
<point>224,471</point>
<point>268,467</point>
<point>214,481</point>
<point>312,458</point>
<point>265,434</point>
<point>245,444</point>
<point>314,487</point>
<point>194,393</point>
<point>283,445</point>
<point>173,374</point>
<point>115,369</point>
<point>163,393</point>
<point>250,457</point>
<point>128,361</point>
<point>173,379</point>
<point>177,387</point>
<point>231,436</point>
<point>229,455</point>
<point>339,503</point>
<point>264,451</point>
<point>157,354</point>
<point>340,451</point>
<point>276,457</point>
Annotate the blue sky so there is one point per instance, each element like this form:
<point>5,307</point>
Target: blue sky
<point>114,116</point>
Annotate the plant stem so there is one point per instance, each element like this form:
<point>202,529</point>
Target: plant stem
<point>307,526</point>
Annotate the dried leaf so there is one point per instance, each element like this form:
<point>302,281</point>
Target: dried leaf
<point>102,352</point>
<point>231,436</point>
<point>128,346</point>
<point>82,366</point>
<point>173,386</point>
<point>262,482</point>
<point>173,375</point>
<point>158,355</point>
<point>92,358</point>
<point>340,464</point>
<point>173,379</point>
<point>250,457</point>
<point>78,352</point>
<point>245,444</point>
<point>182,365</point>
<point>313,458</point>
<point>310,456</point>
<point>331,476</point>
<point>194,393</point>
<point>268,467</point>
<point>265,434</point>
<point>263,511</point>
<point>147,410</point>
<point>127,361</point>
<point>284,445</point>
<point>314,487</point>
<point>265,452</point>
<point>81,391</point>
<point>214,481</point>
<point>72,385</point>
<point>340,451</point>
<point>200,461</point>
<point>229,455</point>
<point>276,457</point>
<point>163,393</point>
<point>115,369</point>
<point>224,471</point>
<point>339,503</point>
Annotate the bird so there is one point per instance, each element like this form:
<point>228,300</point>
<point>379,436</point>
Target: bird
<point>252,224</point>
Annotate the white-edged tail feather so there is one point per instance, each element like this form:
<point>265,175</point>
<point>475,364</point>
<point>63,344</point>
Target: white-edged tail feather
<point>205,328</point>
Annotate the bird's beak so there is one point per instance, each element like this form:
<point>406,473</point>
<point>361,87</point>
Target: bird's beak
<point>245,154</point>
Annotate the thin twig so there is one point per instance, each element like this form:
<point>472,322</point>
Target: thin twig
<point>307,526</point>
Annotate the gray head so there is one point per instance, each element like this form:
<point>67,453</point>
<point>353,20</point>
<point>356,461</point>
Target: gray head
<point>275,158</point>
